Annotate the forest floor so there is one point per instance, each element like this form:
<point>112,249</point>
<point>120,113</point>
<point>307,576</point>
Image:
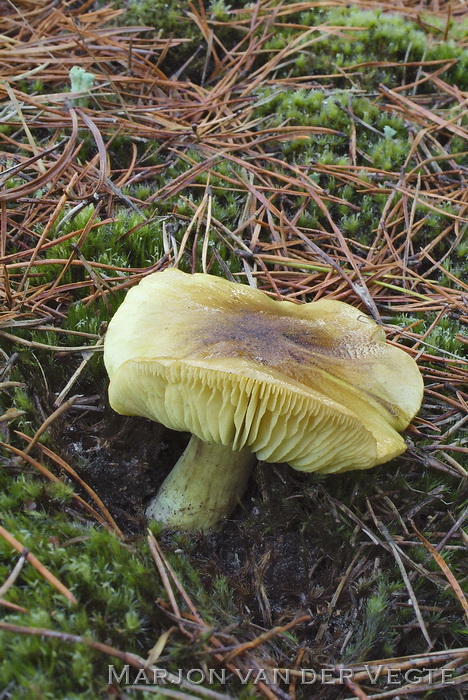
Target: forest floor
<point>308,149</point>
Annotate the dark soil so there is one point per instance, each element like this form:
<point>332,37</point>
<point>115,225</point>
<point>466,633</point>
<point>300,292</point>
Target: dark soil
<point>124,459</point>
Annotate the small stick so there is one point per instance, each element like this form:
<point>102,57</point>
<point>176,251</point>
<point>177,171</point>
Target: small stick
<point>404,575</point>
<point>269,634</point>
<point>162,572</point>
<point>15,573</point>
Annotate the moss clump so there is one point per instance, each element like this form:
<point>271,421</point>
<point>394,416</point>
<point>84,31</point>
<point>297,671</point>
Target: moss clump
<point>168,18</point>
<point>442,338</point>
<point>374,633</point>
<point>115,586</point>
<point>367,36</point>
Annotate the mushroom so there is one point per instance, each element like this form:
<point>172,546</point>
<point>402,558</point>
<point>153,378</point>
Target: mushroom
<point>314,385</point>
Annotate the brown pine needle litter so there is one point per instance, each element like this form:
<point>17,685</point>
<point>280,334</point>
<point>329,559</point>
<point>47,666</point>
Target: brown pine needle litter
<point>106,183</point>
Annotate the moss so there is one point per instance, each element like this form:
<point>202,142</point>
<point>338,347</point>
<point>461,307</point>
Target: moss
<point>115,586</point>
<point>443,337</point>
<point>167,17</point>
<point>219,10</point>
<point>390,154</point>
<point>373,633</point>
<point>381,34</point>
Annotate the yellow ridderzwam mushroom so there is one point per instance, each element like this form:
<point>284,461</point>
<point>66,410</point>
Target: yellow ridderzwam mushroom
<point>314,385</point>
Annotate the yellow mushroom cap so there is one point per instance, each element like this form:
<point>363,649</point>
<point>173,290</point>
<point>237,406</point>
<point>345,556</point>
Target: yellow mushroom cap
<point>314,385</point>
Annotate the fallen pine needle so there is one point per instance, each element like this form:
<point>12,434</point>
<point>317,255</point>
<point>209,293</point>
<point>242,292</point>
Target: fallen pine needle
<point>43,570</point>
<point>450,577</point>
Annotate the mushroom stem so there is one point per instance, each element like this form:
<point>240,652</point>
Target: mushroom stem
<point>203,487</point>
